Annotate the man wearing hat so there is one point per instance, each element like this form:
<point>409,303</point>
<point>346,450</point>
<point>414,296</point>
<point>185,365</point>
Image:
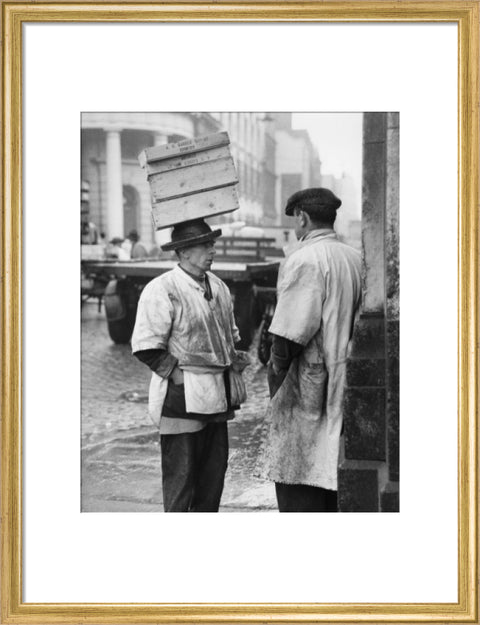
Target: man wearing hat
<point>319,290</point>
<point>185,332</point>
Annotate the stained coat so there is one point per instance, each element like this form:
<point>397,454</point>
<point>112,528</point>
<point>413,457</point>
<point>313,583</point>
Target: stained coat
<point>319,290</point>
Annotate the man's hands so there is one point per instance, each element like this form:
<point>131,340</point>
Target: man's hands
<point>240,361</point>
<point>275,378</point>
<point>177,376</point>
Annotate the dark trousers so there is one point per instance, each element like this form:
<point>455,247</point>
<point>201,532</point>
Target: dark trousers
<point>193,469</point>
<point>302,498</point>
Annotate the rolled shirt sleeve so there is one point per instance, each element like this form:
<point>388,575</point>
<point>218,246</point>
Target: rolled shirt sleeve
<point>159,361</point>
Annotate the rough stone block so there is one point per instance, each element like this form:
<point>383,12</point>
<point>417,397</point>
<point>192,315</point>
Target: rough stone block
<point>393,288</point>
<point>374,162</point>
<point>393,142</point>
<point>389,498</point>
<point>366,372</point>
<point>369,337</point>
<point>374,127</point>
<point>393,120</point>
<point>373,220</point>
<point>392,224</point>
<point>393,398</point>
<point>393,449</point>
<point>357,487</point>
<point>364,423</point>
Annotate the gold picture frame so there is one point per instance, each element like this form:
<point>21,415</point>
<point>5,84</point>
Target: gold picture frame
<point>466,15</point>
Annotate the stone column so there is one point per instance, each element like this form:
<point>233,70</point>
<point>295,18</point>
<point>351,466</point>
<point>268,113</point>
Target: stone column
<point>114,184</point>
<point>373,211</point>
<point>368,471</point>
<point>389,496</point>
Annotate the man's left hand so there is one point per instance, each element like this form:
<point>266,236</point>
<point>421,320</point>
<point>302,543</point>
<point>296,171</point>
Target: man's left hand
<point>177,376</point>
<point>275,378</point>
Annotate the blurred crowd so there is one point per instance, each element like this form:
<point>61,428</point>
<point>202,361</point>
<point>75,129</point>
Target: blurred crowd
<point>95,245</point>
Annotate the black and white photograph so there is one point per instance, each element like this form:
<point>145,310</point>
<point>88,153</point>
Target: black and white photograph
<point>232,340</point>
<point>239,312</point>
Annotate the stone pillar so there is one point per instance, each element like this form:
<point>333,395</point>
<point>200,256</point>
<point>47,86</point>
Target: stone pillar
<point>368,471</point>
<point>373,211</point>
<point>390,494</point>
<point>114,184</point>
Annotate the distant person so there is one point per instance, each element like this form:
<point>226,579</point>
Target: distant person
<point>138,250</point>
<point>116,250</point>
<point>103,242</point>
<point>155,252</point>
<point>88,230</point>
<point>319,289</point>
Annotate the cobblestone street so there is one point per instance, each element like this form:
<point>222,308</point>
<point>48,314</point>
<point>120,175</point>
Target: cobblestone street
<point>120,452</point>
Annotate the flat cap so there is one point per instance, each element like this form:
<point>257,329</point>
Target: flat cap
<point>316,201</point>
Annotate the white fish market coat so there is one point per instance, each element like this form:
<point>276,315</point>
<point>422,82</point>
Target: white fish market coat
<point>319,290</point>
<point>173,314</point>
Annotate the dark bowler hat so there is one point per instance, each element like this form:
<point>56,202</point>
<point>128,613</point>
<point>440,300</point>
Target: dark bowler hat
<point>317,202</point>
<point>189,233</point>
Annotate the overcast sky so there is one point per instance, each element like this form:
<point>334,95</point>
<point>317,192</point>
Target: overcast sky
<point>338,138</point>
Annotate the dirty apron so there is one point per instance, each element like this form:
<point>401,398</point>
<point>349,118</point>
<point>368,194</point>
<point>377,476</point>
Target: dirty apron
<point>319,288</point>
<point>204,394</point>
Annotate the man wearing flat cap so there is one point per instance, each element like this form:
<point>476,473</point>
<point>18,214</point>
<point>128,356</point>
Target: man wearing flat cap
<point>319,289</point>
<point>185,332</point>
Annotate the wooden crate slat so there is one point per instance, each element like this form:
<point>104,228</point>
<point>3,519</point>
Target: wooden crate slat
<point>241,239</point>
<point>186,146</point>
<point>245,248</point>
<point>180,182</point>
<point>197,158</point>
<point>195,206</point>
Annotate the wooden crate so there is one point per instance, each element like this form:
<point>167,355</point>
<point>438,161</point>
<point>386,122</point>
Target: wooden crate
<point>194,206</point>
<point>191,179</point>
<point>186,160</point>
<point>186,146</point>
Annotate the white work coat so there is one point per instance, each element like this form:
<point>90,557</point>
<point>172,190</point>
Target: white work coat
<point>174,315</point>
<point>319,290</point>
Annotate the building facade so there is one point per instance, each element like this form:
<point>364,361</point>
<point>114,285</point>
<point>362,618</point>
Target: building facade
<point>110,145</point>
<point>247,136</point>
<point>348,221</point>
<point>297,164</point>
<point>272,161</point>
